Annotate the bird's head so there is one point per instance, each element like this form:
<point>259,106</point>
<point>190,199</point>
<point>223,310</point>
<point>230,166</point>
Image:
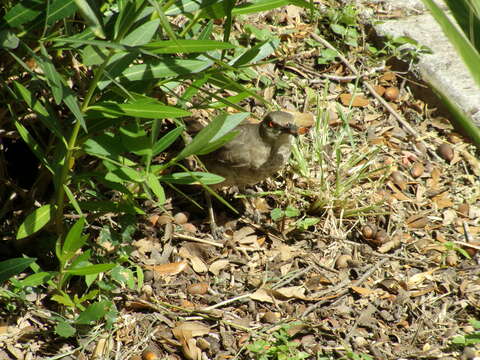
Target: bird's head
<point>278,123</point>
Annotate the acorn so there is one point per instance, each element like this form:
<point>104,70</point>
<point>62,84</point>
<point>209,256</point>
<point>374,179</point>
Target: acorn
<point>417,170</point>
<point>446,152</point>
<point>391,93</point>
<point>369,231</point>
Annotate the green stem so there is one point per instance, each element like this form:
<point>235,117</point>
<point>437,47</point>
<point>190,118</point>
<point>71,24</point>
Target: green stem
<point>64,176</point>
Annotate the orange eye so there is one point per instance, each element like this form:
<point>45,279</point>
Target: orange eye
<point>271,124</point>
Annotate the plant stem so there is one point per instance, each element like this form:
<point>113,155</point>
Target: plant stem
<point>69,156</point>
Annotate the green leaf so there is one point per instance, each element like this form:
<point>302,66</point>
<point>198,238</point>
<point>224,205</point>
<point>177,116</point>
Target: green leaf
<point>165,141</point>
<point>185,46</point>
<point>71,101</point>
<point>74,240</point>
<point>34,103</point>
<point>219,127</point>
<point>121,61</point>
<point>35,221</point>
<point>469,54</point>
<point>475,323</point>
<point>162,69</point>
<point>8,39</point>
<point>219,10</point>
<point>291,212</point>
<point>338,29</point>
<point>110,206</point>
<point>91,16</point>
<point>123,276</point>
<point>64,329</point>
<point>140,109</point>
<point>188,6</point>
<point>36,279</point>
<point>89,270</point>
<point>258,52</point>
<point>154,185</point>
<point>23,12</point>
<point>192,177</point>
<point>124,173</point>
<point>93,55</point>
<point>277,214</point>
<point>63,299</point>
<point>135,139</point>
<point>60,9</point>
<point>214,145</point>
<point>81,39</point>
<point>259,6</point>
<point>105,145</point>
<point>140,277</point>
<point>94,312</point>
<point>467,15</point>
<point>11,267</point>
<point>54,79</point>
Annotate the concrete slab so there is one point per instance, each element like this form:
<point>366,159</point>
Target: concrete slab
<point>443,69</point>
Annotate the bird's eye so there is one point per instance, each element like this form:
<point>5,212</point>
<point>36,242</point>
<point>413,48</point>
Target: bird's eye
<point>271,124</point>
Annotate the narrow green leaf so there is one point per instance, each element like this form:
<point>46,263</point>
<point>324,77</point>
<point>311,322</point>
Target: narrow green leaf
<point>11,267</point>
<point>140,277</point>
<point>467,14</point>
<point>185,46</point>
<point>60,9</point>
<point>72,200</point>
<point>165,141</point>
<point>74,240</point>
<point>121,61</point>
<point>54,79</point>
<point>257,53</point>
<point>89,13</point>
<point>110,206</point>
<point>167,28</point>
<point>154,185</point>
<point>23,12</point>
<point>214,145</point>
<point>469,54</point>
<point>35,221</point>
<point>163,69</point>
<point>214,131</point>
<point>259,6</point>
<point>188,6</point>
<point>85,41</point>
<point>193,177</point>
<point>218,10</point>
<point>71,101</point>
<point>126,174</point>
<point>35,104</point>
<point>140,109</point>
<point>89,270</point>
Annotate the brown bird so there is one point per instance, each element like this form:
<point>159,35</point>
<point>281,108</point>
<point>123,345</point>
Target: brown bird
<point>258,151</point>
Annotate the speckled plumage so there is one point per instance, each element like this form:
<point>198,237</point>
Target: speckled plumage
<point>257,152</point>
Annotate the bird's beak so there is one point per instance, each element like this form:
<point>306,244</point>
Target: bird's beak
<point>292,129</point>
